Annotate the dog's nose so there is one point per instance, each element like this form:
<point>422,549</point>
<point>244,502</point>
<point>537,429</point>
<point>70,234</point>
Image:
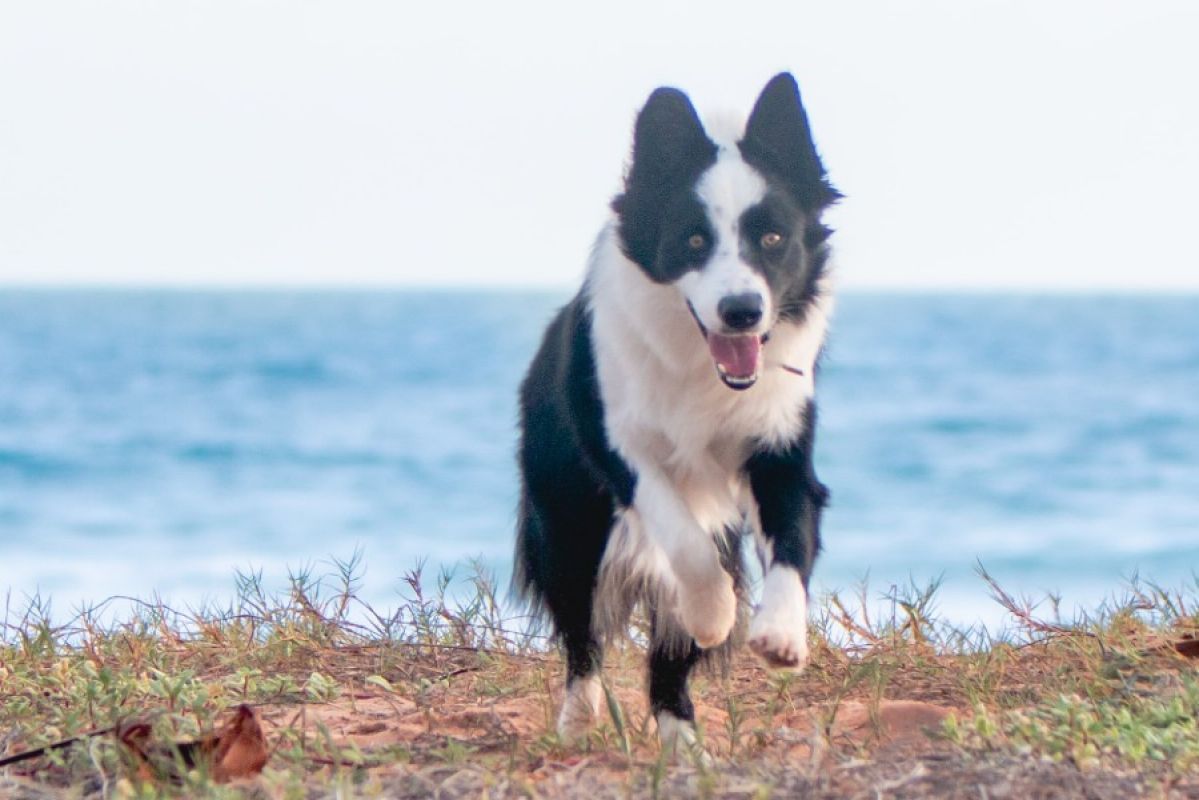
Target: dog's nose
<point>740,311</point>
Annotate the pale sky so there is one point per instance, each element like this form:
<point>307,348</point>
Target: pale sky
<point>309,142</point>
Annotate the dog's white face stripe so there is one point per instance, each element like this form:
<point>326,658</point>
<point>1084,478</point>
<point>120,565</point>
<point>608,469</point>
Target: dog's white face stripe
<point>727,189</point>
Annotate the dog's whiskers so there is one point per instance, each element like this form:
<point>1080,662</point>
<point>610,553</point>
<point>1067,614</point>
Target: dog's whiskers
<point>793,370</point>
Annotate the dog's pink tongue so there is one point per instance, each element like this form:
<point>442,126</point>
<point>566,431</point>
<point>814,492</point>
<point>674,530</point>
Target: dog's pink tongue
<point>736,355</point>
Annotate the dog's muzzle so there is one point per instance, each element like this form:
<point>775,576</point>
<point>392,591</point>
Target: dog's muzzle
<point>737,356</point>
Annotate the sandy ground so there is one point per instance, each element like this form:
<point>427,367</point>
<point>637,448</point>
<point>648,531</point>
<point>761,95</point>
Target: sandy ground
<point>461,744</point>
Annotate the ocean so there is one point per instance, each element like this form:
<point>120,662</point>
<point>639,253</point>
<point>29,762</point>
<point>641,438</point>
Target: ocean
<point>155,442</point>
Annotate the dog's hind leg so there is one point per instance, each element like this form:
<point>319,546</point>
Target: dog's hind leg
<point>570,536</point>
<point>560,542</point>
<point>584,694</point>
<point>672,656</point>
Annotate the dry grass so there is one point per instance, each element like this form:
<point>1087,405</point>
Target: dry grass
<point>454,699</point>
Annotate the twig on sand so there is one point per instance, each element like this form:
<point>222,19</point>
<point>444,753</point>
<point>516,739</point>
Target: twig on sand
<point>27,755</point>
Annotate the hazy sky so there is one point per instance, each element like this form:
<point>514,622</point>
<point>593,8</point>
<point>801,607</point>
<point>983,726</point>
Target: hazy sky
<point>1015,144</point>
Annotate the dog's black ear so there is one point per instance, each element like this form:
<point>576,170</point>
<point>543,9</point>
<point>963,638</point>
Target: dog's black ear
<point>669,142</point>
<point>670,151</point>
<point>778,141</point>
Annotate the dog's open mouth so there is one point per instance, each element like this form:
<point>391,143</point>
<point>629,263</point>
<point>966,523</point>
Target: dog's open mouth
<point>738,358</point>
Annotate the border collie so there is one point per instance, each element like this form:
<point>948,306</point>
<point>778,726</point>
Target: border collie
<point>669,410</point>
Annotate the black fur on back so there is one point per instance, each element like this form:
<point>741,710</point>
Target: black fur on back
<point>571,479</point>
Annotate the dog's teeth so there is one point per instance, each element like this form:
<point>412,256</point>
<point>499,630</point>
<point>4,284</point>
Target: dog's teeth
<point>734,381</point>
<point>738,382</point>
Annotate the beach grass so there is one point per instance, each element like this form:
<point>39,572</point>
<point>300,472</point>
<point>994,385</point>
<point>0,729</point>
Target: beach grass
<point>448,695</point>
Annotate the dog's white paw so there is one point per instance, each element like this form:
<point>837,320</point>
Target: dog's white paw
<point>781,647</point>
<point>678,737</point>
<point>779,631</point>
<point>708,610</point>
<point>580,707</point>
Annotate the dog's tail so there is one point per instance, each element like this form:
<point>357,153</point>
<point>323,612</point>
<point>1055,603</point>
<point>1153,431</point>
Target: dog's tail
<point>524,590</point>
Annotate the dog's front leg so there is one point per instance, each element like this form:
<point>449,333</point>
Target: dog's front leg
<point>707,602</point>
<point>789,501</point>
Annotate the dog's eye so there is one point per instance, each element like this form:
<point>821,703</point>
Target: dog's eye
<point>697,241</point>
<point>771,240</point>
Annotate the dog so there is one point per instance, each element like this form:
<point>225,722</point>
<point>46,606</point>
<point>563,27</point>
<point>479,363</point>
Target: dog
<point>670,410</point>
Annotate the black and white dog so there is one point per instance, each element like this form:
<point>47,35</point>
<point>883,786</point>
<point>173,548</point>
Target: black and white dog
<point>670,406</point>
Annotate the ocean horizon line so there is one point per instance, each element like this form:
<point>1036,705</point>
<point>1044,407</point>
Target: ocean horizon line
<point>564,290</point>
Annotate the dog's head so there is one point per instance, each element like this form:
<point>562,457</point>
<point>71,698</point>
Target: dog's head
<point>734,225</point>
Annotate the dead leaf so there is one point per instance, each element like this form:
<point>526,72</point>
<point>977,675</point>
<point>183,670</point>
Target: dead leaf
<point>237,750</point>
<point>241,750</point>
<point>1187,646</point>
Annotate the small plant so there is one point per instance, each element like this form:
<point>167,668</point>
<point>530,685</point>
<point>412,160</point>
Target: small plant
<point>617,715</point>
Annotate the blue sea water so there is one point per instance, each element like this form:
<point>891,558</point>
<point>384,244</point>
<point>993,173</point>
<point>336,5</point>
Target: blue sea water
<point>155,441</point>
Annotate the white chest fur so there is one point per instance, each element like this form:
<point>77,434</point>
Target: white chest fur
<point>663,401</point>
<point>686,436</point>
